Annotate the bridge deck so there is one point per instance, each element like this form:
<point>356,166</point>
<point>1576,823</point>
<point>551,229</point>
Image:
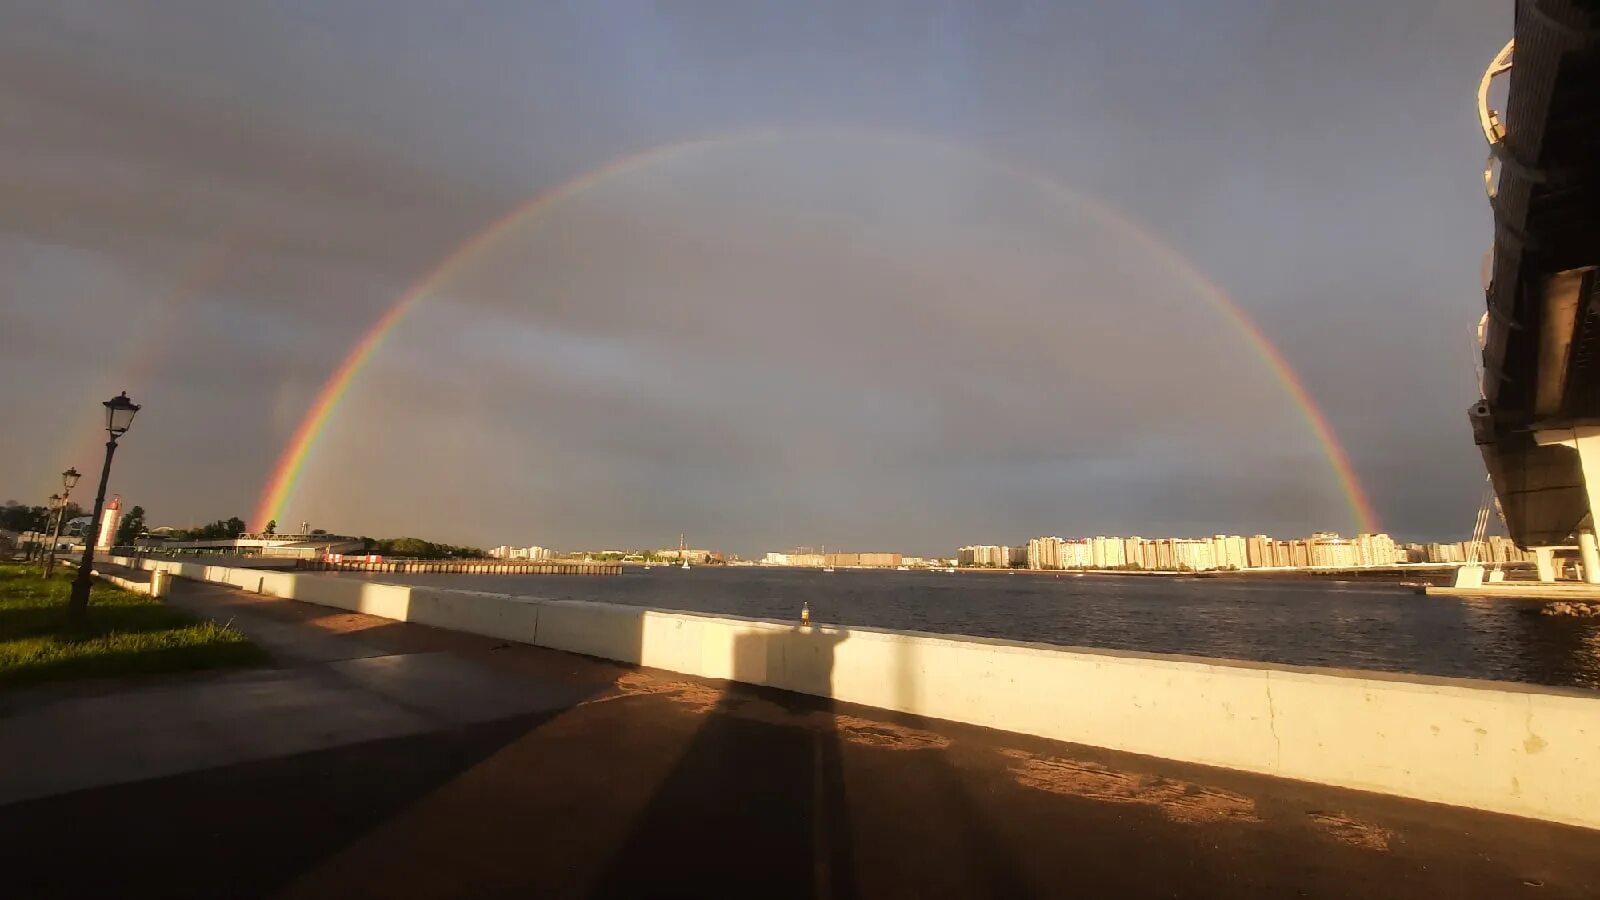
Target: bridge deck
<point>1542,354</point>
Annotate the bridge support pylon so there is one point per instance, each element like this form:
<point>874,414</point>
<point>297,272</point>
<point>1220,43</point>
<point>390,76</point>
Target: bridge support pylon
<point>1586,440</point>
<point>1544,558</point>
<point>1590,556</point>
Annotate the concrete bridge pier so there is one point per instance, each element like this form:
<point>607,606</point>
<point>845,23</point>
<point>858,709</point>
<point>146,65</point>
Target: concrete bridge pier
<point>1545,559</point>
<point>1586,440</point>
<point>1590,556</point>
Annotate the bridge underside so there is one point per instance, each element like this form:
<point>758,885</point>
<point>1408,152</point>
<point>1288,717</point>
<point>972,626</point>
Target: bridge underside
<point>1539,422</point>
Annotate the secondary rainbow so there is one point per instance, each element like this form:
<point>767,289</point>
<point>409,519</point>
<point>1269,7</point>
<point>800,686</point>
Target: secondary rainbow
<point>280,486</point>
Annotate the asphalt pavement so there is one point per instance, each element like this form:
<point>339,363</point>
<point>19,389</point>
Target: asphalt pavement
<point>380,759</point>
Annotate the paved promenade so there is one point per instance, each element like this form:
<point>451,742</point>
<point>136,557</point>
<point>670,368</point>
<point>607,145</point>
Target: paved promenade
<point>379,759</point>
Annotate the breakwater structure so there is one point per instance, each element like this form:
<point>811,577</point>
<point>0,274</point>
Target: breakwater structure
<point>1519,749</point>
<point>458,566</point>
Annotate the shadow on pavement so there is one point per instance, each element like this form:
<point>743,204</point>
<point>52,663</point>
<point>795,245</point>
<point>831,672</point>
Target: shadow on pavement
<point>236,831</point>
<point>784,794</point>
<point>755,806</point>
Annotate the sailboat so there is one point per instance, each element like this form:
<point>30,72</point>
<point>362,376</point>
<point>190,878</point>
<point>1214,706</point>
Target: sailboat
<point>683,551</point>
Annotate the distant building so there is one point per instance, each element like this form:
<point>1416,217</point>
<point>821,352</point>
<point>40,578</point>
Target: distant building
<point>1331,551</point>
<point>1300,554</point>
<point>1130,551</point>
<point>1116,557</point>
<point>1256,551</point>
<point>533,553</point>
<point>984,555</point>
<point>691,555</point>
<point>864,560</point>
<point>1194,555</point>
<point>1047,553</point>
<point>804,557</point>
<point>1323,549</point>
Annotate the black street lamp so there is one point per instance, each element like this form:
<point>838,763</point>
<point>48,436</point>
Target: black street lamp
<point>48,523</point>
<point>119,416</point>
<point>69,480</point>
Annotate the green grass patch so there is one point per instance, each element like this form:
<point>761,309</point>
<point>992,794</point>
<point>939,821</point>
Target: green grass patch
<point>125,633</point>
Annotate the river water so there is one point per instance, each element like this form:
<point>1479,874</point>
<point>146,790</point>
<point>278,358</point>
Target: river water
<point>1319,623</point>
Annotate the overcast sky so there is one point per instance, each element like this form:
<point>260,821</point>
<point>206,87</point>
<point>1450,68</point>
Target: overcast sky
<point>899,307</point>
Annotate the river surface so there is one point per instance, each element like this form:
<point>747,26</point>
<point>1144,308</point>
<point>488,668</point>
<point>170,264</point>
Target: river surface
<point>1317,623</point>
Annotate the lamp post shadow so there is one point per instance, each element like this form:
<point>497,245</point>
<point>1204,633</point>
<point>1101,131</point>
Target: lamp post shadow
<point>756,805</point>
<point>760,803</point>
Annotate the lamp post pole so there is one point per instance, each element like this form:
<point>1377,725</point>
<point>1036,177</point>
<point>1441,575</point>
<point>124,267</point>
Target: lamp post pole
<point>56,505</point>
<point>119,415</point>
<point>69,480</point>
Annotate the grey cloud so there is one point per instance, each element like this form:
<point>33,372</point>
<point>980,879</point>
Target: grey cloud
<point>816,338</point>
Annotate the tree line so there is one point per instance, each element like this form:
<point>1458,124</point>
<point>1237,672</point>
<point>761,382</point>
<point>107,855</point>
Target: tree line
<point>16,516</point>
<point>19,517</point>
<point>417,548</point>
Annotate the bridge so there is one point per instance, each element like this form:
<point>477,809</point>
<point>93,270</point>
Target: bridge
<point>1537,423</point>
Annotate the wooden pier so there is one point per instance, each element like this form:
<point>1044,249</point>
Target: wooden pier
<point>460,567</point>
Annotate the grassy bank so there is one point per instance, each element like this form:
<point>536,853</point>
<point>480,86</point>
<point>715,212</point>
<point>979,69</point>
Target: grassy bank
<point>125,634</point>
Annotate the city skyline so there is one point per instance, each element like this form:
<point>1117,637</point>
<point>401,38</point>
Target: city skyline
<point>546,544</point>
<point>1022,283</point>
<point>1243,550</point>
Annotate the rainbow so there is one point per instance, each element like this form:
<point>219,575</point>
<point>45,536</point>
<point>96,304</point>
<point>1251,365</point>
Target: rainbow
<point>280,486</point>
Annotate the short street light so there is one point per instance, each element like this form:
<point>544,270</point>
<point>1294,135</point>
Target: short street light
<point>43,528</point>
<point>119,417</point>
<point>69,480</point>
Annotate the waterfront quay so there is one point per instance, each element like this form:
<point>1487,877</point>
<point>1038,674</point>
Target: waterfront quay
<point>379,758</point>
<point>1494,746</point>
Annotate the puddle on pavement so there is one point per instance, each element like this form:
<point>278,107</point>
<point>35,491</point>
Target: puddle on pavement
<point>1351,831</point>
<point>702,699</point>
<point>1180,801</point>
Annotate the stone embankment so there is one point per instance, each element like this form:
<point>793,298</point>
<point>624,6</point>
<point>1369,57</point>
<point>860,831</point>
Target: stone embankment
<point>1571,608</point>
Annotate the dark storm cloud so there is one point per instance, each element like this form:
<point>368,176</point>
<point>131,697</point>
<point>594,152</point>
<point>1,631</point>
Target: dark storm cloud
<point>220,200</point>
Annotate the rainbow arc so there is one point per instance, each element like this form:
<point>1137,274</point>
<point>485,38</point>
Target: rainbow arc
<point>281,484</point>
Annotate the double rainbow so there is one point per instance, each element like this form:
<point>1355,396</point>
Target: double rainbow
<point>280,487</point>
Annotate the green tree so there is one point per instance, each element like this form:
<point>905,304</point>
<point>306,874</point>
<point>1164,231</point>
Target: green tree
<point>15,516</point>
<point>132,526</point>
<point>417,548</point>
<point>221,529</point>
<point>272,527</point>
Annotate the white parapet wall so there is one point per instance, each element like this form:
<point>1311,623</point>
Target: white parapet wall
<point>1524,750</point>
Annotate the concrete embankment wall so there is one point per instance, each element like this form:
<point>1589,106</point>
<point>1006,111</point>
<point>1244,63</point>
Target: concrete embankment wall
<point>1526,751</point>
<point>138,587</point>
